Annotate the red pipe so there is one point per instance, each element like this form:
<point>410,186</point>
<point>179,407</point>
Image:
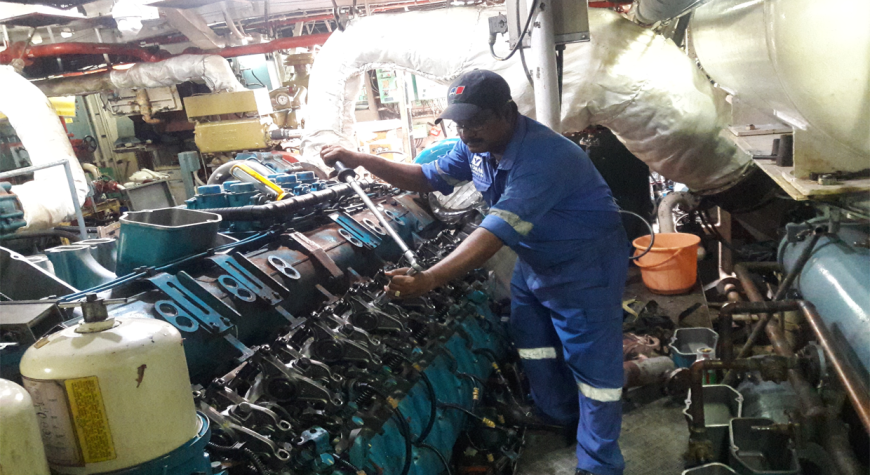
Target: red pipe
<point>607,4</point>
<point>63,49</point>
<point>274,45</point>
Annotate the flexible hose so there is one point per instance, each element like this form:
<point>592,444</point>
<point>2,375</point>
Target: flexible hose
<point>258,464</point>
<point>652,234</point>
<point>440,456</point>
<point>406,434</point>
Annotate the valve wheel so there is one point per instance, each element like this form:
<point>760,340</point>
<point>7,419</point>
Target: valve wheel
<point>90,143</point>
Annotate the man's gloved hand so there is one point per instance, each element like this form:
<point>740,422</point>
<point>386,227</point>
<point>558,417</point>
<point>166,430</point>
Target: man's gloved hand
<point>333,153</point>
<point>403,286</point>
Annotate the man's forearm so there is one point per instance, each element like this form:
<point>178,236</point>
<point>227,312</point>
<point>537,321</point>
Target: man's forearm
<point>407,176</point>
<point>469,255</point>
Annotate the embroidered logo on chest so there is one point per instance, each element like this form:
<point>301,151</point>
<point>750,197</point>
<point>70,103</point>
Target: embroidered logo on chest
<point>477,166</point>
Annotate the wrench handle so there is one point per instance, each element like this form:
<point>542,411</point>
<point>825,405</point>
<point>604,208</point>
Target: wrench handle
<point>343,172</point>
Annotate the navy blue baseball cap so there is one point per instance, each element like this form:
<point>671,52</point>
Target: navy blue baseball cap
<point>473,92</point>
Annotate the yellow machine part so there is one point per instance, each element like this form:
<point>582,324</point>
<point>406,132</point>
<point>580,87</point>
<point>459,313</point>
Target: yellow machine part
<point>243,102</point>
<point>231,135</point>
<point>64,106</point>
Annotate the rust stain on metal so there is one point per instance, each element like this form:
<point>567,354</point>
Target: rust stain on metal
<point>141,371</point>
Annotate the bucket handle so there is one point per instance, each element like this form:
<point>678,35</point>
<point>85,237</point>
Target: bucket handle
<point>637,262</point>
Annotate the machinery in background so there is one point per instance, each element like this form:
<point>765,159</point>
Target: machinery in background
<point>233,121</point>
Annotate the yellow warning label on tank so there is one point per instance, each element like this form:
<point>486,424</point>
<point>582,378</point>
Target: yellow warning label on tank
<point>89,416</point>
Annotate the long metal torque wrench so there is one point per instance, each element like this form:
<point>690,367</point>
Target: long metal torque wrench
<point>348,175</point>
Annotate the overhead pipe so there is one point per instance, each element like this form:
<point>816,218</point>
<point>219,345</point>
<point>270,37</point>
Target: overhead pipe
<point>650,12</point>
<point>304,41</point>
<point>17,50</point>
<point>212,69</point>
<point>637,83</point>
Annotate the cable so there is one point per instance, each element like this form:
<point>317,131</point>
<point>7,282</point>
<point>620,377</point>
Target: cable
<point>433,413</point>
<point>440,456</point>
<point>652,234</point>
<point>519,40</point>
<point>523,55</point>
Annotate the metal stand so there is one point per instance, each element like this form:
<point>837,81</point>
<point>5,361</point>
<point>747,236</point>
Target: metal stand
<point>547,103</point>
<point>72,188</point>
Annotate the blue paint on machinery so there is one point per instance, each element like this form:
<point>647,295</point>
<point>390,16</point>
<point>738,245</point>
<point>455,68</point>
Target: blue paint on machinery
<point>837,280</point>
<point>302,363</point>
<point>436,150</point>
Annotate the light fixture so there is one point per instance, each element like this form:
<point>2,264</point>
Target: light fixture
<point>66,33</point>
<point>36,38</point>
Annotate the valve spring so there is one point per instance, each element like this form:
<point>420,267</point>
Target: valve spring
<point>392,360</point>
<point>364,396</point>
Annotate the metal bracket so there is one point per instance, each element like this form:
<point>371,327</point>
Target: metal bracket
<point>357,231</point>
<point>242,270</point>
<point>192,301</point>
<point>245,276</point>
<point>317,252</point>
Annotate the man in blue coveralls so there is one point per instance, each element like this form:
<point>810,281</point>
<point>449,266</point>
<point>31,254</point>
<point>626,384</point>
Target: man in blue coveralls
<point>550,205</point>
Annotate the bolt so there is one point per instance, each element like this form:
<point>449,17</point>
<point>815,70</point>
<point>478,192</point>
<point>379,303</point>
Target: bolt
<point>827,179</point>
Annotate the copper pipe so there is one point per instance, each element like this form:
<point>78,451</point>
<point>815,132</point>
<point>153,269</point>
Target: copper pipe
<point>780,294</point>
<point>726,317</point>
<point>833,437</point>
<point>846,373</point>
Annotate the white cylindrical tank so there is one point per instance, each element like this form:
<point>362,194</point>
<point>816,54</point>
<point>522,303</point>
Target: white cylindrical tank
<point>21,451</point>
<point>803,62</point>
<point>112,394</point>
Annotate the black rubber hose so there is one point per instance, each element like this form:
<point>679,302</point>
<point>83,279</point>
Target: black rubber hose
<point>440,456</point>
<point>284,207</point>
<point>433,413</point>
<point>406,434</point>
<point>41,234</point>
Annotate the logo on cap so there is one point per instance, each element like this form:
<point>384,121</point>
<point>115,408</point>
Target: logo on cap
<point>456,91</point>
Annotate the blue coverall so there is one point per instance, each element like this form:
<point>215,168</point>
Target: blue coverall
<point>550,205</point>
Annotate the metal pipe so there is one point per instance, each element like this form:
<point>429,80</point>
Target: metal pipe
<point>780,293</point>
<point>833,437</point>
<point>72,187</point>
<point>846,372</point>
<point>772,367</point>
<point>547,108</point>
<point>726,317</point>
<point>75,199</point>
<point>666,209</point>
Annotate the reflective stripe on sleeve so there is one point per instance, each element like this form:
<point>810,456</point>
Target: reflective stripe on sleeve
<point>537,353</point>
<point>600,394</point>
<point>522,228</point>
<point>447,178</point>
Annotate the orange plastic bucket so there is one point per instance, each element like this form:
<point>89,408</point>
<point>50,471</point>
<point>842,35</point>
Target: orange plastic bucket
<point>671,266</point>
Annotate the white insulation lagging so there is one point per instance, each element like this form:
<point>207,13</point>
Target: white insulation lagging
<point>636,83</point>
<point>46,199</point>
<point>212,69</point>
